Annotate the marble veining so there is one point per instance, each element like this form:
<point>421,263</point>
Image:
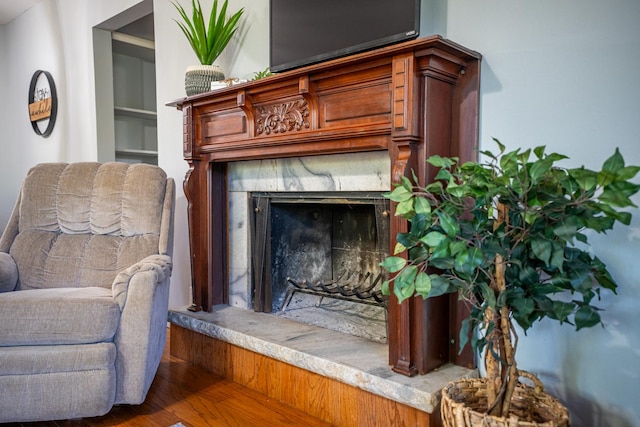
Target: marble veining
<point>369,171</point>
<point>352,360</point>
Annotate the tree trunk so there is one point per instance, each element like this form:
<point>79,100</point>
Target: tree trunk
<point>502,372</point>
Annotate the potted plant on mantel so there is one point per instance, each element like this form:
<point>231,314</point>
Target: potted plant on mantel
<point>208,40</point>
<point>510,236</point>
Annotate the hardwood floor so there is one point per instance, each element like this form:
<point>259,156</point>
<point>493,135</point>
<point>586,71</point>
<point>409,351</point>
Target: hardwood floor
<point>185,393</point>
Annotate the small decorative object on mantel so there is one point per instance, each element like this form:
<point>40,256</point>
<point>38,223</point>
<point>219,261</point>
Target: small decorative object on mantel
<point>221,84</point>
<point>208,40</point>
<point>43,103</point>
<point>510,237</point>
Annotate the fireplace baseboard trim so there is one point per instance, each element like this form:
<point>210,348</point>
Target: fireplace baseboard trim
<point>351,360</point>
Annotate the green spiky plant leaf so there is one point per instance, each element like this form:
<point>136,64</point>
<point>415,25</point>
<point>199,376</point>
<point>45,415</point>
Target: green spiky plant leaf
<point>208,38</point>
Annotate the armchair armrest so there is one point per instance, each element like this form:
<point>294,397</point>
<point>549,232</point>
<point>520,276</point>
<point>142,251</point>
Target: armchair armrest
<point>160,265</point>
<point>8,273</point>
<point>142,293</point>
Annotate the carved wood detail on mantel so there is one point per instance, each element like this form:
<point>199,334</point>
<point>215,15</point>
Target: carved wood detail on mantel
<point>412,100</point>
<point>281,118</point>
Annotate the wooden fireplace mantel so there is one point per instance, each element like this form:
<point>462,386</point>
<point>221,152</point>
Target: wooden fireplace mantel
<point>413,100</point>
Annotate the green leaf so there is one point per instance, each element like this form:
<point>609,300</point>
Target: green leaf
<point>399,248</point>
<point>540,168</point>
<point>488,294</point>
<point>606,177</point>
<point>384,288</point>
<point>405,208</point>
<point>456,190</point>
<point>443,175</point>
<point>422,206</point>
<point>586,317</point>
<point>406,183</point>
<point>433,239</point>
<point>465,332</point>
<point>509,163</point>
<point>407,240</point>
<point>500,145</point>
<point>523,306</point>
<point>542,249</point>
<point>557,256</point>
<point>423,284</point>
<point>404,283</point>
<point>586,179</point>
<point>627,172</point>
<point>457,246</point>
<point>623,217</point>
<point>393,264</point>
<point>443,254</point>
<point>618,193</point>
<point>466,261</point>
<point>440,286</point>
<point>528,275</point>
<point>613,163</point>
<point>442,162</point>
<point>567,228</point>
<point>399,194</point>
<point>524,156</point>
<point>562,310</point>
<point>448,224</point>
<point>434,188</point>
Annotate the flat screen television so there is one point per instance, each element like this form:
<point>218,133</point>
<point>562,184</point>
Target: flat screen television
<point>304,32</point>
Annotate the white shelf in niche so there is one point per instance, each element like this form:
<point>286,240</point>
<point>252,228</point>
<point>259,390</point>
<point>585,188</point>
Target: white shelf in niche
<point>132,152</point>
<point>135,113</point>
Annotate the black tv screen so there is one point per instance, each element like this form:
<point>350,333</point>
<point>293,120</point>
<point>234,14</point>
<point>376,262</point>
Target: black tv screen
<point>304,32</point>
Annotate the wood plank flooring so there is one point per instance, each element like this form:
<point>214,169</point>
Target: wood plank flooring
<point>182,392</point>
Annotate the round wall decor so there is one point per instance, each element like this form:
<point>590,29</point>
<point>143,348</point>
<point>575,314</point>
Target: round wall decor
<point>43,103</point>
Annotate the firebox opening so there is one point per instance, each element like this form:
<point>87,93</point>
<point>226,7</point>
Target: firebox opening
<point>316,258</point>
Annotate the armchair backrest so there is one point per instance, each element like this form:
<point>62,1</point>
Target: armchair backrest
<point>79,224</point>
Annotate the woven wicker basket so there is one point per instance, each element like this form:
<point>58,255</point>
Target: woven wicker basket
<point>464,403</point>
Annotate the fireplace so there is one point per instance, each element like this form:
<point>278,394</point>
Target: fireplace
<point>403,102</point>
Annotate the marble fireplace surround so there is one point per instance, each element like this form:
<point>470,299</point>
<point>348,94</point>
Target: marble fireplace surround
<point>350,124</point>
<point>330,173</point>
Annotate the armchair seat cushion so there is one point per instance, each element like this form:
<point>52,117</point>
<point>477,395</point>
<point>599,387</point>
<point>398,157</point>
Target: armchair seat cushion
<point>58,316</point>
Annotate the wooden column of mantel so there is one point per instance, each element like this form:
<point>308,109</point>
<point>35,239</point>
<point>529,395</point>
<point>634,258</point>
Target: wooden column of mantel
<point>413,100</point>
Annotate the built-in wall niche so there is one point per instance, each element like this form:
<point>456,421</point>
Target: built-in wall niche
<point>134,96</point>
<point>125,76</point>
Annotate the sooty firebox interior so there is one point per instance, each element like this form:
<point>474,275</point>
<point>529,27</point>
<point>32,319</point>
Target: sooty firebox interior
<point>328,244</point>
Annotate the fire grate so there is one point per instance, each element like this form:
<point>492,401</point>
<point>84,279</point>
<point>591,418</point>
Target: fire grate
<point>358,287</point>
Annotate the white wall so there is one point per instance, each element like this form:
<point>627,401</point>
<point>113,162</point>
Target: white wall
<point>558,73</point>
<point>5,131</point>
<point>27,51</point>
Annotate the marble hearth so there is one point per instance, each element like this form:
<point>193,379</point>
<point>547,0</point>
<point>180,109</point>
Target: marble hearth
<point>355,361</point>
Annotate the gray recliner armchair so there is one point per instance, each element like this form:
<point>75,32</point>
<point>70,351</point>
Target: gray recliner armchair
<point>85,262</point>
